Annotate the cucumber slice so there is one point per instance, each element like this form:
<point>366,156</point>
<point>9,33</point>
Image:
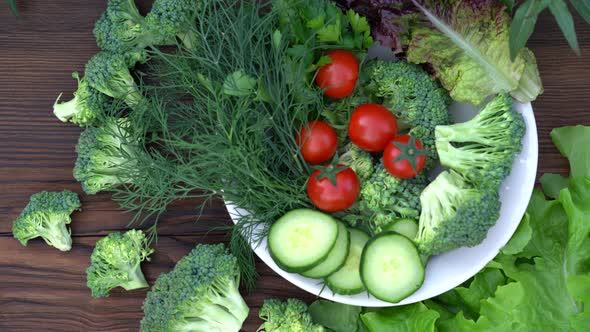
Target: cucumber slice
<point>391,267</point>
<point>302,239</point>
<point>336,258</point>
<point>405,227</point>
<point>347,280</point>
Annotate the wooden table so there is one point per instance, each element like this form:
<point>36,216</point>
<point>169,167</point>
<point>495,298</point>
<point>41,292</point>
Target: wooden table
<point>42,289</point>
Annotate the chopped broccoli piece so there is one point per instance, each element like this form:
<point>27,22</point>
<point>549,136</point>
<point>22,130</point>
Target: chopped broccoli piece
<point>483,149</point>
<point>175,18</point>
<point>360,161</point>
<point>106,155</point>
<point>116,262</point>
<point>87,104</point>
<point>288,316</point>
<point>385,198</point>
<point>200,294</point>
<point>122,28</point>
<point>46,216</point>
<point>108,73</point>
<point>455,214</point>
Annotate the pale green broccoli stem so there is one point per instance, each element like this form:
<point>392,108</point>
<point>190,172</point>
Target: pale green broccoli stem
<point>66,110</point>
<point>137,279</point>
<point>189,39</point>
<point>56,234</point>
<point>215,315</point>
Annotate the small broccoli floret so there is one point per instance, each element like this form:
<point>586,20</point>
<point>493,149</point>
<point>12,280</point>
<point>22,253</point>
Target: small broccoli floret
<point>410,93</point>
<point>455,214</point>
<point>359,160</point>
<point>116,262</point>
<point>483,148</point>
<point>200,294</point>
<point>108,73</point>
<point>46,216</point>
<point>287,316</point>
<point>386,198</point>
<point>106,155</point>
<point>87,104</point>
<point>122,28</point>
<point>175,18</point>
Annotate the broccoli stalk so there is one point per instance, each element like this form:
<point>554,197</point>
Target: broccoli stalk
<point>109,73</point>
<point>46,216</point>
<point>200,294</point>
<point>85,107</point>
<point>483,149</point>
<point>455,214</point>
<point>291,316</point>
<point>116,262</point>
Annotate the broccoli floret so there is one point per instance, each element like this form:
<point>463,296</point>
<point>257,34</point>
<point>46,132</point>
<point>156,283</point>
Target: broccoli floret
<point>46,216</point>
<point>455,214</point>
<point>116,262</point>
<point>175,18</point>
<point>87,104</point>
<point>385,198</point>
<point>106,155</point>
<point>483,149</point>
<point>288,316</point>
<point>122,28</point>
<point>200,294</point>
<point>409,92</point>
<point>108,72</point>
<point>359,160</point>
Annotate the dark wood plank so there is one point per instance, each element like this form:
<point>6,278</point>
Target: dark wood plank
<point>43,289</point>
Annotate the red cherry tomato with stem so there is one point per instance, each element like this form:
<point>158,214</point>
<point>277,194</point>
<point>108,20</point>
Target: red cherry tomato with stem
<point>371,127</point>
<point>318,142</point>
<point>333,188</point>
<point>339,77</point>
<point>404,157</point>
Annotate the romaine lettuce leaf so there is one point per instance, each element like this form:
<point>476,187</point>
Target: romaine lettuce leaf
<point>572,142</point>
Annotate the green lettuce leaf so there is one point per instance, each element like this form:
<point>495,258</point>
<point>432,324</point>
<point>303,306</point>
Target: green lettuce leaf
<point>337,317</point>
<point>468,47</point>
<point>572,142</point>
<point>408,318</point>
<point>553,183</point>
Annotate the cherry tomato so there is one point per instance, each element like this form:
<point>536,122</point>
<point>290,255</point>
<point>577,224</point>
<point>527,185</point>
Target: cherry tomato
<point>371,127</point>
<point>339,77</point>
<point>318,142</point>
<point>334,188</point>
<point>404,157</point>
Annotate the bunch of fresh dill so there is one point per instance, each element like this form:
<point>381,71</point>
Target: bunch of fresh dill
<point>221,122</point>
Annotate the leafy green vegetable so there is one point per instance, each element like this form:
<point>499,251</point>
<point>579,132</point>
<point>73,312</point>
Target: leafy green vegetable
<point>409,318</point>
<point>572,142</point>
<point>337,317</point>
<point>553,183</point>
<point>468,47</point>
<point>47,215</point>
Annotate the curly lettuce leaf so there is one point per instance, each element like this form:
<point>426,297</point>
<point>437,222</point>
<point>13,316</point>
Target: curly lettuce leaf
<point>467,44</point>
<point>409,318</point>
<point>572,143</point>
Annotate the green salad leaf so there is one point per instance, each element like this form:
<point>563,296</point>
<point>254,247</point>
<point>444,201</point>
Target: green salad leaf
<point>337,317</point>
<point>572,142</point>
<point>409,318</point>
<point>467,44</point>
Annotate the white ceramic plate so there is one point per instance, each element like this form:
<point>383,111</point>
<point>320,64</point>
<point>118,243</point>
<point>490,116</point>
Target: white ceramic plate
<point>450,269</point>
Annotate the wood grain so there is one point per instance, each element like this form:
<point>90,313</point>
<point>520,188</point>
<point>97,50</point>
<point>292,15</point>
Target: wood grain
<point>44,289</point>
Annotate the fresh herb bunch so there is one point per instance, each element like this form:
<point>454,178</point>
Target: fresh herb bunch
<point>12,6</point>
<point>221,123</point>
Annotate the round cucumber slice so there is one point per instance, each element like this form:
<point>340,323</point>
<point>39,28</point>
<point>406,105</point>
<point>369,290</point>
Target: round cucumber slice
<point>302,239</point>
<point>405,227</point>
<point>347,280</point>
<point>391,267</point>
<point>336,257</point>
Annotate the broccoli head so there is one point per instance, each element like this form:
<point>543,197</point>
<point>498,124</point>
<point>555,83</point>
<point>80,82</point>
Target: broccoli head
<point>87,104</point>
<point>200,294</point>
<point>116,262</point>
<point>288,316</point>
<point>106,155</point>
<point>122,28</point>
<point>455,214</point>
<point>385,198</point>
<point>483,148</point>
<point>108,72</point>
<point>359,160</point>
<point>175,18</point>
<point>46,216</point>
<point>409,92</point>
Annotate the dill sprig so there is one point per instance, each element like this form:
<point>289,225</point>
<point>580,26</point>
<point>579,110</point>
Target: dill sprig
<point>203,141</point>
